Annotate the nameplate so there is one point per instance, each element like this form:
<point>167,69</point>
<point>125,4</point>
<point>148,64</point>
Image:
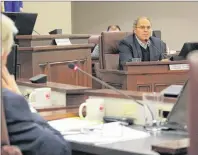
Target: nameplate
<point>179,67</point>
<point>61,42</point>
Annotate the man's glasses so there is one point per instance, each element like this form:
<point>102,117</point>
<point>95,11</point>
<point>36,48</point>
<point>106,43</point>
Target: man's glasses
<point>144,27</point>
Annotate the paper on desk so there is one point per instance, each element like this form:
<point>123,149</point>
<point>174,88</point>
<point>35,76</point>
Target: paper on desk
<point>70,124</point>
<point>110,133</point>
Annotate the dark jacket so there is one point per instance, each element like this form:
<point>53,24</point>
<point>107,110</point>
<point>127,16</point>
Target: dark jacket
<point>130,48</point>
<point>29,131</point>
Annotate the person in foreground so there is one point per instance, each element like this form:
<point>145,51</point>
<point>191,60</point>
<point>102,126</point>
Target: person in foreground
<point>96,51</point>
<point>28,131</point>
<point>141,44</point>
<point>10,150</point>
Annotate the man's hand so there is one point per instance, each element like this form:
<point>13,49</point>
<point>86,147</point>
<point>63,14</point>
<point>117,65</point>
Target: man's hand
<point>8,81</point>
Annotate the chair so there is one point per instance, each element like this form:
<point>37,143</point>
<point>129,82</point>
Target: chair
<point>94,39</point>
<point>6,148</point>
<point>12,62</point>
<point>4,131</point>
<point>10,150</point>
<point>109,44</point>
<point>109,58</point>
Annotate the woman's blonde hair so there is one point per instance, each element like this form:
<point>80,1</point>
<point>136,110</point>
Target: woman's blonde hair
<point>8,30</point>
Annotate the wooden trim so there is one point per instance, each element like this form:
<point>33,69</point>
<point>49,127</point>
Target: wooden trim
<point>57,108</point>
<point>112,71</point>
<point>118,72</point>
<point>54,47</point>
<point>59,116</point>
<point>67,88</point>
<point>110,93</point>
<point>58,112</point>
<point>165,72</point>
<point>55,36</point>
<point>151,63</point>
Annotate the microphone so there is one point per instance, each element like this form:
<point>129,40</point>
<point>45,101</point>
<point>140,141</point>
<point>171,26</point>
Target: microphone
<point>150,43</point>
<point>75,68</point>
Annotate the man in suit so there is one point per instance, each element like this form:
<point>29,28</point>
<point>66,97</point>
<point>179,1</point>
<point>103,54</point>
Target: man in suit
<point>141,44</point>
<point>28,131</point>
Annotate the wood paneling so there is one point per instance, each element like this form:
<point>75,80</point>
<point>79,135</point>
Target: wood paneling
<point>53,61</point>
<point>45,40</point>
<point>145,76</point>
<point>155,82</point>
<point>74,94</point>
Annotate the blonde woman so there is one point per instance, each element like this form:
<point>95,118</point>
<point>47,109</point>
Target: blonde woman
<point>2,7</point>
<point>28,131</point>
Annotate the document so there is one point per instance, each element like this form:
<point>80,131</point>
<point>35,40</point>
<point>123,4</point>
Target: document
<point>61,42</point>
<point>96,133</point>
<point>107,133</point>
<point>71,125</point>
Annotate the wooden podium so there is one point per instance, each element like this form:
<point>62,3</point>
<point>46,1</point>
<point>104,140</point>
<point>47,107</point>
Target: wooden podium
<point>46,40</point>
<point>53,60</point>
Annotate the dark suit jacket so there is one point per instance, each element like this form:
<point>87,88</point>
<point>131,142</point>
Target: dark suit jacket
<point>130,48</point>
<point>30,132</point>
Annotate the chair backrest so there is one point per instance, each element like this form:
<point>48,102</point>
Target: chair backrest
<point>6,148</point>
<point>4,131</point>
<point>109,45</point>
<point>193,103</point>
<point>12,61</point>
<point>94,39</point>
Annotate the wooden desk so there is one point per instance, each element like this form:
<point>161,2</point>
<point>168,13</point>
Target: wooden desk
<point>53,60</point>
<point>45,40</point>
<point>50,113</point>
<point>167,142</point>
<point>73,95</point>
<point>146,76</point>
<point>153,76</point>
<point>110,93</point>
<point>140,146</point>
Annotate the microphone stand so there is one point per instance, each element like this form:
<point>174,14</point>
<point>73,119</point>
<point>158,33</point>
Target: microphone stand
<point>145,105</point>
<point>163,54</point>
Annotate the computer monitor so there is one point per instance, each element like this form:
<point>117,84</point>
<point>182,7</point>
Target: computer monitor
<point>172,91</point>
<point>177,118</point>
<point>187,48</point>
<point>24,21</point>
<point>12,61</point>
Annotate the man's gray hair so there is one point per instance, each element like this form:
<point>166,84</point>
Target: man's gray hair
<point>8,30</point>
<point>135,23</point>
